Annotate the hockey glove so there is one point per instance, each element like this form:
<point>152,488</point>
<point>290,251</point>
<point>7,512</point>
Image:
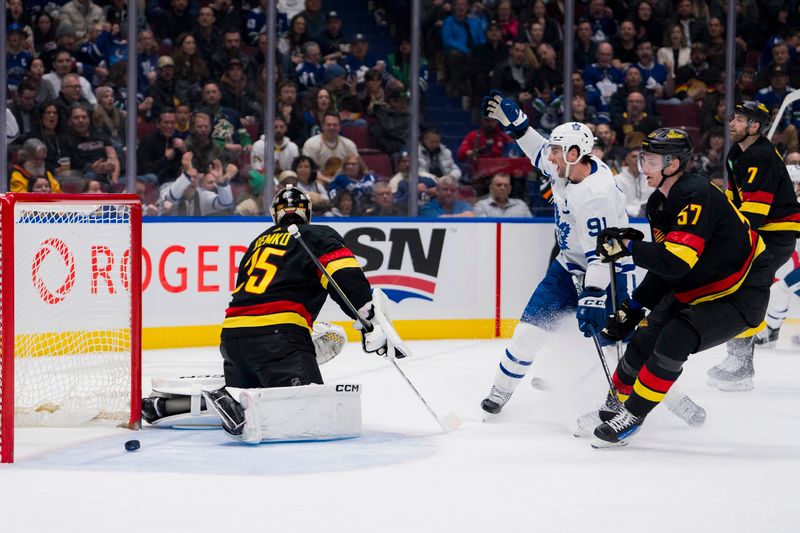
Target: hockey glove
<point>373,339</point>
<point>609,242</point>
<point>591,310</point>
<point>506,112</point>
<point>621,325</point>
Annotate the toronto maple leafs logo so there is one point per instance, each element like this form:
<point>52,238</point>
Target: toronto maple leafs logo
<point>562,231</point>
<point>576,126</point>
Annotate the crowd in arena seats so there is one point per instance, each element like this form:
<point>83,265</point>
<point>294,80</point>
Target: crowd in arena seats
<point>342,110</point>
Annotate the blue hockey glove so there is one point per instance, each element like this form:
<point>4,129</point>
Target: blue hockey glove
<point>506,112</point>
<point>591,310</point>
<point>609,242</point>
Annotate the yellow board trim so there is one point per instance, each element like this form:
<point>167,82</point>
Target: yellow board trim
<point>335,266</point>
<point>257,321</point>
<point>755,207</point>
<point>685,253</point>
<point>646,393</point>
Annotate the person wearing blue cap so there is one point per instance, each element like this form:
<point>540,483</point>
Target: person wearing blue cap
<point>18,60</point>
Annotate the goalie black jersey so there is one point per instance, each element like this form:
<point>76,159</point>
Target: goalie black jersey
<point>760,187</point>
<point>279,288</point>
<point>703,248</point>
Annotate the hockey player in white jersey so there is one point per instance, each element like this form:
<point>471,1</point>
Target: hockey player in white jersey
<point>788,284</point>
<point>586,201</point>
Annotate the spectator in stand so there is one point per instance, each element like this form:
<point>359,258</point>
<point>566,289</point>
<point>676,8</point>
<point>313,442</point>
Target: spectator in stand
<point>159,154</point>
<point>40,184</point>
<point>315,19</point>
<point>635,118</point>
<point>254,20</point>
<point>17,58</point>
<point>306,171</point>
<point>95,186</point>
<point>31,164</point>
<point>343,205</point>
<point>486,141</point>
<point>581,112</point>
<point>591,95</point>
<point>48,132</point>
<point>426,182</point>
<point>656,78</point>
<point>604,27</point>
<point>17,14</point>
<point>514,76</point>
<point>717,52</point>
<point>499,204</point>
<point>745,88</point>
<point>778,89</point>
<point>116,12</point>
<point>624,44</point>
<point>25,110</point>
<point>714,116</point>
<point>695,29</point>
<point>399,61</point>
<point>508,21</point>
<point>585,51</point>
<point>549,75</point>
<point>675,52</point>
<point>291,44</point>
<point>183,121</point>
<point>310,73</point>
<point>633,82</point>
<point>62,65</point>
<point>147,58</point>
<point>227,16</point>
<point>236,93</point>
<point>461,34</point>
<point>177,19</point>
<point>447,204</point>
<point>208,38</point>
<point>65,40</point>
<point>290,109</point>
<point>190,68</point>
<point>780,57</point>
<point>227,128</point>
<point>284,154</point>
<point>44,34</point>
<point>633,183</point>
<point>342,89</point>
<point>328,144</point>
<point>698,69</point>
<point>436,158</point>
<point>108,119</point>
<point>70,94</point>
<point>81,15</point>
<point>34,78</point>
<point>373,95</point>
<point>319,104</point>
<point>602,75</point>
<point>204,149</point>
<point>485,58</point>
<point>359,60</point>
<point>164,89</point>
<point>187,195</point>
<point>382,203</point>
<point>231,50</point>
<point>711,156</point>
<point>648,25</point>
<point>354,176</point>
<point>90,151</point>
<point>333,43</point>
<point>613,153</point>
<point>550,26</point>
<point>92,56</point>
<point>392,124</point>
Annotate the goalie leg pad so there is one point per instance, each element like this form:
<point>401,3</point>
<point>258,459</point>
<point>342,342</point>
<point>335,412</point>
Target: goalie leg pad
<point>308,412</point>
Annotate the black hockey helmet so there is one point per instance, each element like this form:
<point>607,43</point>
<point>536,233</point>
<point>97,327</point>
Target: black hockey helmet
<point>672,143</point>
<point>755,112</point>
<point>291,205</point>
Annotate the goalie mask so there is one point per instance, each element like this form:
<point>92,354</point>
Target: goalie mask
<point>291,205</point>
<point>569,135</point>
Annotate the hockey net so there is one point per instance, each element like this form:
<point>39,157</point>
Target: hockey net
<point>70,311</point>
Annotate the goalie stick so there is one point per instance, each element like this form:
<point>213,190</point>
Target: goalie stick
<point>791,98</point>
<point>450,421</point>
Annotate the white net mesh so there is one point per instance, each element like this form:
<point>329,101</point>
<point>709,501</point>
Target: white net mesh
<point>72,313</point>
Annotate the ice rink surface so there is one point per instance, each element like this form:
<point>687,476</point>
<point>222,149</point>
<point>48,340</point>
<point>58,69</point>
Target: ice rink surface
<point>521,471</point>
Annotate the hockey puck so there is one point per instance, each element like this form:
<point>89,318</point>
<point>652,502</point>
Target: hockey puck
<point>132,445</point>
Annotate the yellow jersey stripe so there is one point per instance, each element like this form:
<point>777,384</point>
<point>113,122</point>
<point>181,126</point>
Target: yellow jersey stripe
<point>336,265</point>
<point>265,320</point>
<point>687,254</point>
<point>780,226</point>
<point>646,393</point>
<point>755,207</point>
<point>760,247</point>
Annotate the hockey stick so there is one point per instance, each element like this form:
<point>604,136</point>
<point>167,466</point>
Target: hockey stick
<point>612,268</point>
<point>602,357</point>
<point>451,421</point>
<point>791,98</point>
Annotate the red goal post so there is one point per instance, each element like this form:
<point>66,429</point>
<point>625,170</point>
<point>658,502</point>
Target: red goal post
<point>70,311</point>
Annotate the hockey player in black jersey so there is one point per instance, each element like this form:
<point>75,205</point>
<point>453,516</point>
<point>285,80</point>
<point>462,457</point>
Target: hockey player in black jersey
<point>707,281</point>
<point>266,335</point>
<point>760,187</point>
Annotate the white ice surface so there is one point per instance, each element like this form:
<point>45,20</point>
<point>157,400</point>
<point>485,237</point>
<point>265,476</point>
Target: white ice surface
<point>521,471</point>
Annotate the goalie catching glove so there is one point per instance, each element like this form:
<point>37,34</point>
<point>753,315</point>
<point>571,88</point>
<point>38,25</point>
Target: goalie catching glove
<point>610,246</point>
<point>375,339</point>
<point>506,112</point>
<point>621,325</point>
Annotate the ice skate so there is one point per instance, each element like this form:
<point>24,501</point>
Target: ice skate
<point>495,401</point>
<point>767,338</point>
<point>735,372</point>
<point>617,431</point>
<point>587,422</point>
<point>684,408</point>
<point>228,409</point>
